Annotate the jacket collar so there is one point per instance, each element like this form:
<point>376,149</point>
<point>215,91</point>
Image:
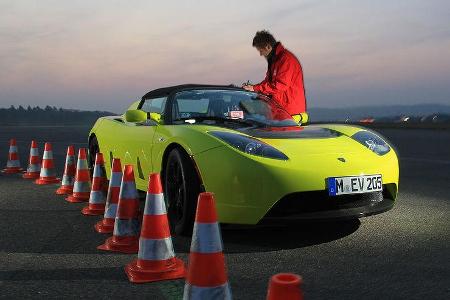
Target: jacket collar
<point>278,48</point>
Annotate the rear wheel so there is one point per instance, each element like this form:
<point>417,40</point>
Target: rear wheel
<point>182,187</point>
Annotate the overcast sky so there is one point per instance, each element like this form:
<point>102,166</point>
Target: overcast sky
<point>105,54</point>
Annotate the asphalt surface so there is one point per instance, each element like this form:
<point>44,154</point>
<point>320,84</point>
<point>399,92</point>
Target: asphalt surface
<point>48,249</point>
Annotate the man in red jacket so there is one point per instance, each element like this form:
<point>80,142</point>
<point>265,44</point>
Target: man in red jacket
<point>284,77</point>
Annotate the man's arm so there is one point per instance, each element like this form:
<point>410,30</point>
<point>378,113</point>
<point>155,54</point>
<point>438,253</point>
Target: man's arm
<point>249,87</point>
<point>280,82</point>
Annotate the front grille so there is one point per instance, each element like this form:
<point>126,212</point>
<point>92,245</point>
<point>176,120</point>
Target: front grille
<point>319,201</point>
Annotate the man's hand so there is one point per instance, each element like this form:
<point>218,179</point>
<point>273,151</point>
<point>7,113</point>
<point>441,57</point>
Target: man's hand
<point>248,87</point>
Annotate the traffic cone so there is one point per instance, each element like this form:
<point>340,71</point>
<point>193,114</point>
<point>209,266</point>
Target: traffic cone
<point>48,174</point>
<point>107,224</point>
<point>156,259</point>
<point>69,173</point>
<point>97,197</point>
<point>125,237</point>
<point>206,276</point>
<point>285,286</point>
<point>34,165</point>
<point>13,163</point>
<point>82,185</point>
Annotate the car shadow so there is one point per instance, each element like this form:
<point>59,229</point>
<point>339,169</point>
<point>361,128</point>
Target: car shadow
<point>263,238</point>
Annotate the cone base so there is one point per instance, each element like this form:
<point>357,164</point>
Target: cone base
<point>101,227</point>
<point>64,190</point>
<point>12,170</point>
<point>47,181</point>
<point>30,176</point>
<point>73,199</point>
<point>129,248</point>
<point>88,211</point>
<point>137,274</point>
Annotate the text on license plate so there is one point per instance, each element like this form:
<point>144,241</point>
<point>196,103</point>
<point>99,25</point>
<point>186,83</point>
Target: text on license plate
<point>354,184</point>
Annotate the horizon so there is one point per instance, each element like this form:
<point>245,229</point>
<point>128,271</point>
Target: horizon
<point>105,55</point>
<point>314,107</point>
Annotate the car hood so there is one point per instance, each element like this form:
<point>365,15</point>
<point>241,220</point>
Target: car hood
<point>290,132</point>
<point>302,140</point>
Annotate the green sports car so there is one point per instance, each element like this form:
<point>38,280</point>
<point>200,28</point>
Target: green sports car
<point>245,148</point>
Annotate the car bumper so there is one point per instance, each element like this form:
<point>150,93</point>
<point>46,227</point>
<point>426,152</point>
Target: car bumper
<point>318,206</point>
<point>248,189</point>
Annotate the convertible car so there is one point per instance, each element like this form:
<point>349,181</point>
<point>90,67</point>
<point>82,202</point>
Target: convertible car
<point>261,164</point>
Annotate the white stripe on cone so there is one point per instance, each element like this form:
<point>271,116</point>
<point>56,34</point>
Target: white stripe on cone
<point>34,152</point>
<point>13,164</point>
<point>13,149</point>
<point>154,205</point>
<point>126,227</point>
<point>116,179</point>
<point>206,238</point>
<point>82,164</point>
<point>33,168</point>
<point>81,187</point>
<point>68,180</point>
<point>110,211</point>
<point>221,292</point>
<point>97,197</point>
<point>48,155</point>
<point>47,172</point>
<point>155,249</point>
<point>128,190</point>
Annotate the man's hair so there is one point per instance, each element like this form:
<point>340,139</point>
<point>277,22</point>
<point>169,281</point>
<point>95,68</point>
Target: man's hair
<point>263,38</point>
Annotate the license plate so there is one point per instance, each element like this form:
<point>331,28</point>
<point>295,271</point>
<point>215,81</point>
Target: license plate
<point>354,184</point>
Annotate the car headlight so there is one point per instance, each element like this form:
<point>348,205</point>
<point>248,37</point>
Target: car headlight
<point>372,141</point>
<point>249,145</point>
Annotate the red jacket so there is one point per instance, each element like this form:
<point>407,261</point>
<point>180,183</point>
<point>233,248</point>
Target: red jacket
<point>286,83</point>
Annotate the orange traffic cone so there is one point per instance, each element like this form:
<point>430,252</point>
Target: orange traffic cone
<point>48,174</point>
<point>82,185</point>
<point>156,258</point>
<point>69,173</point>
<point>13,163</point>
<point>97,197</point>
<point>285,286</point>
<point>107,224</point>
<point>125,237</point>
<point>206,277</point>
<point>34,165</point>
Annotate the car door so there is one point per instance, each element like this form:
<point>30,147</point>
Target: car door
<point>137,140</point>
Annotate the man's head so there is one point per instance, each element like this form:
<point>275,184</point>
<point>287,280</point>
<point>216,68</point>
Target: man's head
<point>264,42</point>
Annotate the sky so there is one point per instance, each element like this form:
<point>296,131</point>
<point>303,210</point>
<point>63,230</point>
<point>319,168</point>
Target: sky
<point>103,55</point>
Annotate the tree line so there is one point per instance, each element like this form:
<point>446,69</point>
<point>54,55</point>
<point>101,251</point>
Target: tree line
<point>49,115</point>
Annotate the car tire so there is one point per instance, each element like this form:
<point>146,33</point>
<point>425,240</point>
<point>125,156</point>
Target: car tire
<point>181,186</point>
<point>93,150</point>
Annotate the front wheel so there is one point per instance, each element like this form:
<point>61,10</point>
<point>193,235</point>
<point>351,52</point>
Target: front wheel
<point>182,187</point>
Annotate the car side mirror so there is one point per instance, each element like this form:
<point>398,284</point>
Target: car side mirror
<point>135,115</point>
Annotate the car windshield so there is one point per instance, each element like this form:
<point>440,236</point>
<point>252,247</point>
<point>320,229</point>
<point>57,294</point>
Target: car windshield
<point>228,108</point>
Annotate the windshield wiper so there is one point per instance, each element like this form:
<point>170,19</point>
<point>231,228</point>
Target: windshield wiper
<point>248,122</point>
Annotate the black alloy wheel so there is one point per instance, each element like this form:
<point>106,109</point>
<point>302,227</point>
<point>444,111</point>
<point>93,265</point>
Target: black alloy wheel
<point>182,186</point>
